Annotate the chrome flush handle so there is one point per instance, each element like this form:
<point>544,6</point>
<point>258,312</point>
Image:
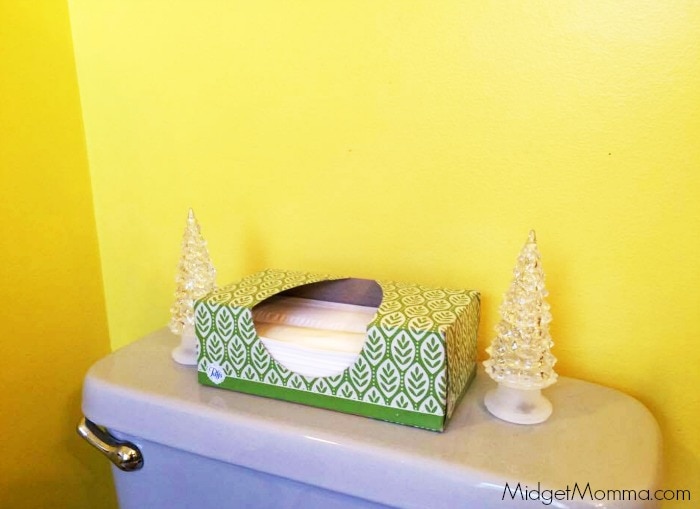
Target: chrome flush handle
<point>125,455</point>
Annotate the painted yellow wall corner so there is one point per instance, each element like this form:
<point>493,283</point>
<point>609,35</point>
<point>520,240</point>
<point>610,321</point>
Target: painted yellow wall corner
<point>419,141</point>
<point>53,315</point>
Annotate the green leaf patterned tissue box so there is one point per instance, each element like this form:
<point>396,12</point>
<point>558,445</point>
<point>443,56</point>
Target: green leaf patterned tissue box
<point>398,352</point>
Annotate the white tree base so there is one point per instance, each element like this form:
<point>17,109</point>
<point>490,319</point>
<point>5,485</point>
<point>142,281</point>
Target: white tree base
<point>186,353</point>
<point>519,406</point>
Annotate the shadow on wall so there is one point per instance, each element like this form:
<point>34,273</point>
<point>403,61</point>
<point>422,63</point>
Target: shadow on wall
<point>92,485</point>
<point>679,463</point>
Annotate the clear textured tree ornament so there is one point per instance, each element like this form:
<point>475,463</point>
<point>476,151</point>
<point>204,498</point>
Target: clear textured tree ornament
<point>520,358</point>
<point>195,278</point>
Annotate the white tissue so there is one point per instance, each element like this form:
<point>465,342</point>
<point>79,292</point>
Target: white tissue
<point>310,337</point>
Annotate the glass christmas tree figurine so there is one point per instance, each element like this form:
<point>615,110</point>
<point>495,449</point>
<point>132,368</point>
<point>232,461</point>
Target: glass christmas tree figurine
<point>195,278</point>
<point>520,358</point>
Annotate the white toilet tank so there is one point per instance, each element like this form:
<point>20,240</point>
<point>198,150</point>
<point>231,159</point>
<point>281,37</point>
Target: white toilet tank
<point>204,447</point>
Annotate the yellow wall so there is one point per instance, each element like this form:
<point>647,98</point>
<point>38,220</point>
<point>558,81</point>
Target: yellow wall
<point>53,316</point>
<point>418,141</point>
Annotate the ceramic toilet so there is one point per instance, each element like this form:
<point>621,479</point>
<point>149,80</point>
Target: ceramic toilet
<point>185,445</point>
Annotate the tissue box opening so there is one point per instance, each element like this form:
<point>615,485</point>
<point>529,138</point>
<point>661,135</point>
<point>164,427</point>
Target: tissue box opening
<point>322,333</point>
<point>416,361</point>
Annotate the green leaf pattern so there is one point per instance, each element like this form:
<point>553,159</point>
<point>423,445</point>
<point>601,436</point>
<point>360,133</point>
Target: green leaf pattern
<point>401,401</point>
<point>419,353</point>
<point>373,396</point>
<point>237,353</point>
<point>347,391</point>
<point>246,327</point>
<point>225,323</point>
<point>432,351</point>
<point>215,348</point>
<point>272,378</point>
<point>249,374</point>
<point>203,321</point>
<point>403,350</point>
<point>296,381</point>
<point>320,386</point>
<point>334,381</point>
<point>388,378</point>
<point>375,346</point>
<point>417,383</point>
<point>360,375</point>
<point>261,359</point>
<point>461,352</point>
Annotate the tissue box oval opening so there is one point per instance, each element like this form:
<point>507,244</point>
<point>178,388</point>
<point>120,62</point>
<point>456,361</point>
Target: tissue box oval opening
<point>399,352</point>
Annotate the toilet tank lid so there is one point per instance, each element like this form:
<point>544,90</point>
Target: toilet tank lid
<point>596,435</point>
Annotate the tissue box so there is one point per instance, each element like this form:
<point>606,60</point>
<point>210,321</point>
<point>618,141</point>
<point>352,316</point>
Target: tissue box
<point>418,357</point>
